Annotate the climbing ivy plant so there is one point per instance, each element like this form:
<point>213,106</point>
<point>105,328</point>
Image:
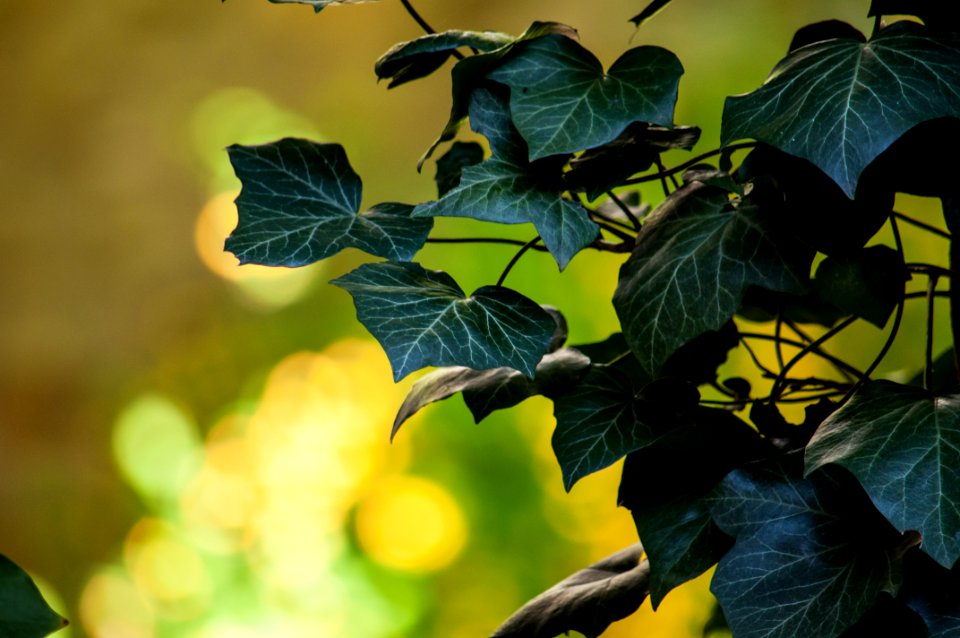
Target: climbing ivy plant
<point>846,523</point>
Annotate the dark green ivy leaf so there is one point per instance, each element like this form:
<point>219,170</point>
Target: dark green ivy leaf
<point>868,284</point>
<point>651,10</point>
<point>468,73</point>
<point>561,100</point>
<point>422,318</point>
<point>506,188</point>
<point>903,445</point>
<point>450,166</point>
<point>826,30</point>
<point>299,205</point>
<point>804,563</point>
<point>485,391</point>
<point>23,612</point>
<point>695,257</point>
<point>840,103</point>
<point>418,58</point>
<point>587,601</point>
<point>888,617</point>
<point>635,150</point>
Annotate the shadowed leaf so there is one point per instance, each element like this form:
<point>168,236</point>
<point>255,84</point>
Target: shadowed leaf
<point>23,612</point>
<point>299,205</point>
<point>868,284</point>
<point>903,445</point>
<point>450,166</point>
<point>417,58</point>
<point>561,100</point>
<point>587,601</point>
<point>422,318</point>
<point>840,103</point>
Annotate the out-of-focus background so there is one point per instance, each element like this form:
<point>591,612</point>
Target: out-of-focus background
<point>193,449</point>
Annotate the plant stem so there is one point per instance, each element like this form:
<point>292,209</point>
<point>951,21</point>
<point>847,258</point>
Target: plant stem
<point>613,230</point>
<point>626,210</point>
<point>842,367</point>
<point>696,160</point>
<point>951,215</point>
<point>919,224</point>
<point>513,262</point>
<point>811,347</point>
<point>778,344</point>
<point>838,363</point>
<point>928,269</point>
<point>928,362</point>
<point>424,24</point>
<point>482,240</point>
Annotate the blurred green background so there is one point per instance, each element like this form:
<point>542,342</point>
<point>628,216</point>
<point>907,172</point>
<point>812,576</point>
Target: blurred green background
<point>193,449</point>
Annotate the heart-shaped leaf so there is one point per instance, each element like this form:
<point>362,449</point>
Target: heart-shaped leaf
<point>695,257</point>
<point>868,284</point>
<point>299,205</point>
<point>587,601</point>
<point>450,166</point>
<point>840,103</point>
<point>562,101</point>
<point>506,188</point>
<point>422,318</point>
<point>23,611</point>
<point>800,566</point>
<point>468,73</point>
<point>417,58</point>
<point>485,391</point>
<point>903,445</point>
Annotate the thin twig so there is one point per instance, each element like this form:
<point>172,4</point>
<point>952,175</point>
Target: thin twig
<point>928,362</point>
<point>696,160</point>
<point>626,210</point>
<point>513,261</point>
<point>753,356</point>
<point>919,224</point>
<point>811,347</point>
<point>483,240</point>
<point>839,363</point>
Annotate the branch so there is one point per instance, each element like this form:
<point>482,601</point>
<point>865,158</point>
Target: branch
<point>693,162</point>
<point>513,261</point>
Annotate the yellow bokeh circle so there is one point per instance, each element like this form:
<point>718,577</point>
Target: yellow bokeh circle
<point>411,524</point>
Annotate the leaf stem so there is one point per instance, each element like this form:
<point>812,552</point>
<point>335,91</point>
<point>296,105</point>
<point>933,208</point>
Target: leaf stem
<point>696,160</point>
<point>928,361</point>
<point>483,240</point>
<point>513,261</point>
<point>837,362</point>
<point>919,224</point>
<point>626,210</point>
<point>810,347</point>
<point>897,319</point>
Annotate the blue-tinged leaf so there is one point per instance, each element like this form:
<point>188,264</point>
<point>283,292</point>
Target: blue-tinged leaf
<point>695,257</point>
<point>422,318</point>
<point>23,611</point>
<point>299,205</point>
<point>506,188</point>
<point>840,103</point>
<point>562,101</point>
<point>450,166</point>
<point>804,562</point>
<point>597,424</point>
<point>903,445</point>
<point>933,592</point>
<point>417,58</point>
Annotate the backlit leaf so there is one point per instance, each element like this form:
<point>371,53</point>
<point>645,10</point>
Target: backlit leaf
<point>299,205</point>
<point>803,563</point>
<point>695,257</point>
<point>903,445</point>
<point>840,103</point>
<point>23,611</point>
<point>506,188</point>
<point>417,58</point>
<point>562,101</point>
<point>422,318</point>
<point>587,601</point>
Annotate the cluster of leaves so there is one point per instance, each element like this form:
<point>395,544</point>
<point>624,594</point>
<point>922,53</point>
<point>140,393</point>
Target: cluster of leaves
<point>840,525</point>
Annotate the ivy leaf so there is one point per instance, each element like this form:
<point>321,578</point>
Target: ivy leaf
<point>587,601</point>
<point>635,150</point>
<point>934,13</point>
<point>695,257</point>
<point>422,318</point>
<point>933,592</point>
<point>468,73</point>
<point>299,205</point>
<point>507,189</point>
<point>903,445</point>
<point>797,568</point>
<point>450,166</point>
<point>651,10</point>
<point>562,101</point>
<point>418,58</point>
<point>597,424</point>
<point>320,5</point>
<point>840,103</point>
<point>868,284</point>
<point>485,391</point>
<point>23,611</point>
